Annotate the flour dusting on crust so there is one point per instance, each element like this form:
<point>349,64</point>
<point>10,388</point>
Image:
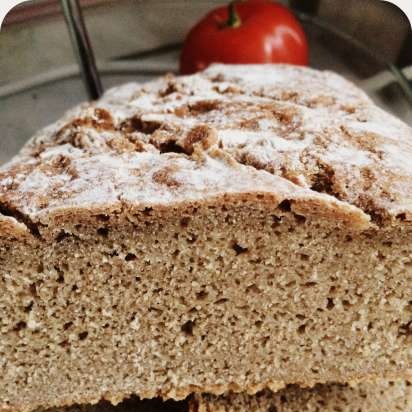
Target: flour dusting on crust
<point>294,132</point>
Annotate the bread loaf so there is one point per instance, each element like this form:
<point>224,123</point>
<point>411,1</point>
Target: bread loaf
<point>244,228</point>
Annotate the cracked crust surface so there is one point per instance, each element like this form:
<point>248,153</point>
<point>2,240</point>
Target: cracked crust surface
<point>296,132</point>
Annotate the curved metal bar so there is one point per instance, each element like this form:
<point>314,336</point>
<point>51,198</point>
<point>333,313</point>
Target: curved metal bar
<point>397,73</point>
<point>383,79</point>
<point>82,48</point>
<point>105,68</point>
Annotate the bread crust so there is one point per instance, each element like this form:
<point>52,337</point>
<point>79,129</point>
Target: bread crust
<point>184,392</point>
<point>372,396</point>
<point>297,133</point>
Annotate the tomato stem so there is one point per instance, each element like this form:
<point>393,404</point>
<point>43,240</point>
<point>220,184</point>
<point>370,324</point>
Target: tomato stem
<point>233,20</point>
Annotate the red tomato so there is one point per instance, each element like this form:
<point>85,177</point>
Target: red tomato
<point>257,31</point>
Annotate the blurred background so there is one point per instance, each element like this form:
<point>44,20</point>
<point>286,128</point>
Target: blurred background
<point>39,77</point>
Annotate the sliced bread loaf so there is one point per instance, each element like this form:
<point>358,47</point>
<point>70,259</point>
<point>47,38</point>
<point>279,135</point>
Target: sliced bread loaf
<point>243,228</point>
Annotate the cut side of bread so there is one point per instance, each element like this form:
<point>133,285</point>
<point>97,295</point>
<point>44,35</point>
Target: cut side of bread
<point>366,397</point>
<point>244,228</point>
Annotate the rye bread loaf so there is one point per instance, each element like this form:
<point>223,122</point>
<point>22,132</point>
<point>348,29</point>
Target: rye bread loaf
<point>365,397</point>
<point>243,228</point>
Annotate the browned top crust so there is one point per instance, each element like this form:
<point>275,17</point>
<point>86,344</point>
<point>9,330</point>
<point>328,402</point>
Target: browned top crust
<point>287,132</point>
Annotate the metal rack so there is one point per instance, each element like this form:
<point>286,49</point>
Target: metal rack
<point>91,73</point>
<point>91,78</point>
<point>82,48</point>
